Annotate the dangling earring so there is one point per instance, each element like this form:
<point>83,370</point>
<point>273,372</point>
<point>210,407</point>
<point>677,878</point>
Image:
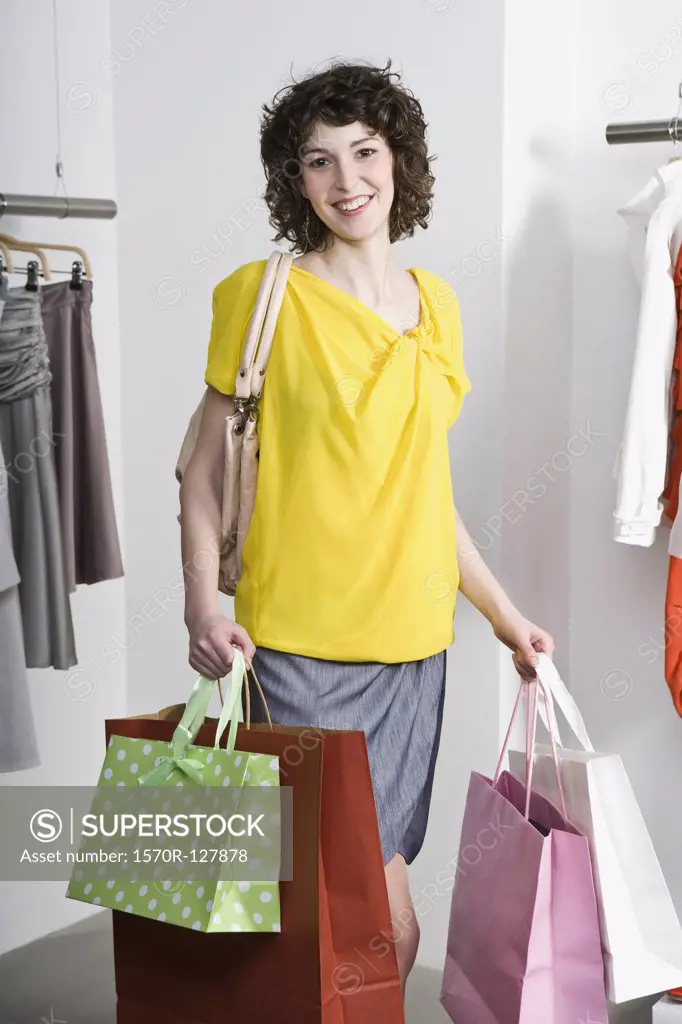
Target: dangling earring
<point>306,224</point>
<point>399,219</point>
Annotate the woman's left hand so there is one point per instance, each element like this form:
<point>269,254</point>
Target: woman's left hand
<point>524,639</point>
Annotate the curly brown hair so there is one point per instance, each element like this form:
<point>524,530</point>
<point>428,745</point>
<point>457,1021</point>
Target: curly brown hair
<point>344,93</point>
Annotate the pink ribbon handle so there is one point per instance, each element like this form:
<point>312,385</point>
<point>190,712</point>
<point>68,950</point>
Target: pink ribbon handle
<point>531,729</point>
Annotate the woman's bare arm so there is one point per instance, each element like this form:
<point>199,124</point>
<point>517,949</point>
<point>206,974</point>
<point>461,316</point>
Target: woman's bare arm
<point>478,584</point>
<point>211,633</point>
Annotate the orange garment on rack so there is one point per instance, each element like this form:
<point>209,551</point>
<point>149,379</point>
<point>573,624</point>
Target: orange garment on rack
<point>673,625</point>
<point>671,494</point>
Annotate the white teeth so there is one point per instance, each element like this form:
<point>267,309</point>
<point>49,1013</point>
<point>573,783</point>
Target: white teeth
<point>355,205</point>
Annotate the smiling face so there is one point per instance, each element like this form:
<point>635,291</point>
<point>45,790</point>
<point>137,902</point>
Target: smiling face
<point>347,174</point>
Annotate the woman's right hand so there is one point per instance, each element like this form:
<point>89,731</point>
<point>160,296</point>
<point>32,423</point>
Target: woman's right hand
<point>210,645</point>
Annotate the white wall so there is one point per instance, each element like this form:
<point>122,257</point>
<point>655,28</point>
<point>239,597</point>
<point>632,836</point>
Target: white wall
<point>570,319</point>
<point>187,105</point>
<point>70,707</point>
<point>532,523</point>
<point>629,61</point>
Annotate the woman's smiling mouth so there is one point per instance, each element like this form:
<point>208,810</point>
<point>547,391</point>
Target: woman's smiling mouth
<point>351,207</point>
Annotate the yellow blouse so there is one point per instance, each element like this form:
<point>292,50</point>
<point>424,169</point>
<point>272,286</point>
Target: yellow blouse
<point>351,553</point>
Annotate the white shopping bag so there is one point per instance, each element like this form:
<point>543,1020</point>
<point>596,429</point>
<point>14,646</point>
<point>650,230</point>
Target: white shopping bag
<point>640,930</point>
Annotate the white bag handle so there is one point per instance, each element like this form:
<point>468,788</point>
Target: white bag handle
<point>556,689</point>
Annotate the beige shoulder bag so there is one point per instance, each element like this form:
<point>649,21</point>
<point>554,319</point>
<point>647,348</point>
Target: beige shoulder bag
<point>241,437</point>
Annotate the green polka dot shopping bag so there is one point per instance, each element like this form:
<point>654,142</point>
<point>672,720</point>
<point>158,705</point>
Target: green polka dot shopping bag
<point>333,959</point>
<point>215,900</point>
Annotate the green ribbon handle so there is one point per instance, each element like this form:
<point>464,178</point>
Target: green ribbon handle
<point>191,722</point>
<point>232,703</point>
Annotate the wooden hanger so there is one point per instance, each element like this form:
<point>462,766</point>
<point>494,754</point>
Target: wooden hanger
<point>53,245</point>
<point>19,246</point>
<point>9,266</point>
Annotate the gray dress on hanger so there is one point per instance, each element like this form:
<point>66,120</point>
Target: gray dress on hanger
<point>18,746</point>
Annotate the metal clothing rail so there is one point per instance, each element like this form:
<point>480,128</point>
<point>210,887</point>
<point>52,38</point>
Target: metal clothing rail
<point>647,131</point>
<point>56,206</point>
<point>644,131</point>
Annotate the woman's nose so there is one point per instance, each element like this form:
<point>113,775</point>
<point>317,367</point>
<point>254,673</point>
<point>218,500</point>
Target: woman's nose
<point>346,178</point>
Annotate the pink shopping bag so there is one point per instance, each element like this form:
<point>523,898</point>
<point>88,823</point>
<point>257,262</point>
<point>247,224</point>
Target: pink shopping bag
<point>523,942</point>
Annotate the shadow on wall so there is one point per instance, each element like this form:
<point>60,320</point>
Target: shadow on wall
<point>543,453</point>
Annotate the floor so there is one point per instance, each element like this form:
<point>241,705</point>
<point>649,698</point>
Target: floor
<point>67,978</point>
<point>667,1012</point>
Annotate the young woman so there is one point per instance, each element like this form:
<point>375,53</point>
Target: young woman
<point>355,551</point>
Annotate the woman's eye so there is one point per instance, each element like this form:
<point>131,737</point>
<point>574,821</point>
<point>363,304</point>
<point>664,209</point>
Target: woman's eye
<point>321,161</point>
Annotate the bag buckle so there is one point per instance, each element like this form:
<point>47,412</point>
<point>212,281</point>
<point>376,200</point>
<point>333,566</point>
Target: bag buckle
<point>245,407</point>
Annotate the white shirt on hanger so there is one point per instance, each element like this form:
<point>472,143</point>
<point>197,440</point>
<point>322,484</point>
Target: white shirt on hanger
<point>654,221</point>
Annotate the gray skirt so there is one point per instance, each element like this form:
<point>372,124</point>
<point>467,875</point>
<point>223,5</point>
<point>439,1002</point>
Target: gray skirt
<point>88,521</point>
<point>26,437</point>
<point>398,706</point>
<point>18,742</point>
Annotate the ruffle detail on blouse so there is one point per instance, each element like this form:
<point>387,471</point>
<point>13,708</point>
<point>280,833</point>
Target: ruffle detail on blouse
<point>439,337</point>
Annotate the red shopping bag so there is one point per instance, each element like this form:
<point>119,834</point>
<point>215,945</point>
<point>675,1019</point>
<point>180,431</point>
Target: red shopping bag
<point>326,966</point>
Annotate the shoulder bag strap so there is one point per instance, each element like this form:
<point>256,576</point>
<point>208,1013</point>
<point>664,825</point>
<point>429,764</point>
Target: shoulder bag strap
<point>261,330</point>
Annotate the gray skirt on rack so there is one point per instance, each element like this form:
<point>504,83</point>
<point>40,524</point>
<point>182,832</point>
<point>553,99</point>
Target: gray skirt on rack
<point>88,522</point>
<point>18,742</point>
<point>398,706</point>
<point>27,442</point>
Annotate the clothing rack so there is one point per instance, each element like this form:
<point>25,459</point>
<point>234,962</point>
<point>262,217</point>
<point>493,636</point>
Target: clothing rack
<point>647,131</point>
<point>56,206</point>
<point>644,131</point>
